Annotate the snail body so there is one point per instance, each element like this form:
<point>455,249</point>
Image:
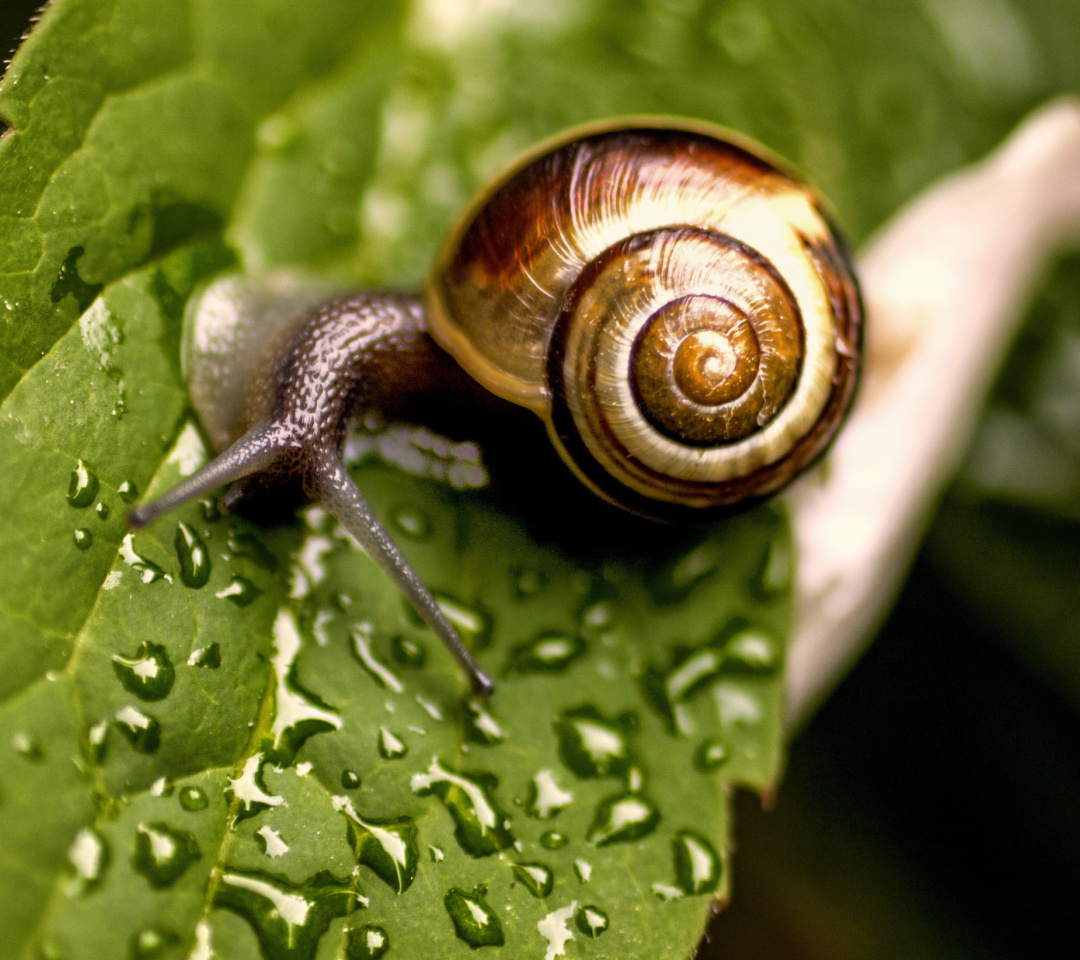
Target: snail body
<point>668,299</point>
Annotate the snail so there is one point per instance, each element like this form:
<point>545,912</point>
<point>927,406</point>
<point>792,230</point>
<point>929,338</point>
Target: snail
<point>670,300</point>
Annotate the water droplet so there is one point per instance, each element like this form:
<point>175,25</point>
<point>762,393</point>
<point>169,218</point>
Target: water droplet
<point>528,582</point>
<point>390,746</point>
<point>150,942</point>
<point>240,591</point>
<point>596,617</point>
<point>677,580</point>
<point>298,714</point>
<point>148,673</point>
<point>583,869</point>
<point>379,672</point>
<point>26,747</point>
<point>474,921</point>
<point>193,799</point>
<point>556,930</point>
<point>406,652</point>
<point>437,855</point>
<point>472,624</point>
<point>161,787</point>
<point>481,726</point>
<point>621,818</point>
<point>389,848</point>
<point>163,853</point>
<point>546,797</point>
<point>84,539</point>
<point>97,740</point>
<point>350,779</point>
<point>288,921</point>
<point>192,555</point>
<point>83,486</point>
<point>480,826</point>
<point>89,855</point>
<point>129,493</point>
<point>147,569</point>
<point>697,864</point>
<point>366,943</point>
<point>548,653</point>
<point>536,877</point>
<point>775,573</point>
<point>141,730</point>
<point>553,840</point>
<point>666,892</point>
<point>411,522</point>
<point>208,657</point>
<point>102,510</point>
<point>249,789</point>
<point>591,921</point>
<point>750,651</point>
<point>590,745</point>
<point>249,546</point>
<point>710,755</point>
<point>270,841</point>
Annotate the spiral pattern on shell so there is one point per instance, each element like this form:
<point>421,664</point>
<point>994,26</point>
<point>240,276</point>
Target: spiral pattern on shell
<point>674,305</point>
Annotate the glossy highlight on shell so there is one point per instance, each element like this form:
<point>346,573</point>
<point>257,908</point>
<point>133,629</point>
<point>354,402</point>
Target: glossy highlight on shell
<point>671,301</point>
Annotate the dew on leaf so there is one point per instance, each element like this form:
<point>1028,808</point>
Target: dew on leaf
<point>208,657</point>
<point>89,856</point>
<point>129,493</point>
<point>379,672</point>
<point>474,921</point>
<point>83,486</point>
<point>366,943</point>
<point>407,653</point>
<point>96,741</point>
<point>193,798</point>
<point>480,726</point>
<point>597,616</point>
<point>249,789</point>
<point>750,650</point>
<point>350,779</point>
<point>667,892</point>
<point>24,745</point>
<point>388,848</point>
<point>710,755</point>
<point>250,547</point>
<point>735,706</point>
<point>555,929</point>
<point>697,864</point>
<point>148,673</point>
<point>140,729</point>
<point>590,745</point>
<point>473,625</point>
<point>621,818</point>
<point>297,713</point>
<point>240,591</point>
<point>270,841</point>
<point>548,653</point>
<point>411,522</point>
<point>151,942</point>
<point>192,555</point>
<point>390,746</point>
<point>161,787</point>
<point>546,797</point>
<point>591,921</point>
<point>148,571</point>
<point>288,921</point>
<point>102,510</point>
<point>437,855</point>
<point>536,878</point>
<point>553,840</point>
<point>583,869</point>
<point>429,708</point>
<point>775,573</point>
<point>481,828</point>
<point>675,581</point>
<point>163,853</point>
<point>528,582</point>
<point>84,539</point>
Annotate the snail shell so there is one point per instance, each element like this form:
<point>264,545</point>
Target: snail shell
<point>670,300</point>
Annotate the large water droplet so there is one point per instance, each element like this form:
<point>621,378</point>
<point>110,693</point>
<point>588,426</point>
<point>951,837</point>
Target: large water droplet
<point>192,555</point>
<point>623,817</point>
<point>163,853</point>
<point>547,653</point>
<point>151,942</point>
<point>193,798</point>
<point>481,827</point>
<point>84,539</point>
<point>140,729</point>
<point>83,487</point>
<point>390,746</point>
<point>240,591</point>
<point>536,878</point>
<point>288,921</point>
<point>350,779</point>
<point>590,745</point>
<point>366,943</point>
<point>481,726</point>
<point>148,673</point>
<point>697,864</point>
<point>474,921</point>
<point>553,840</point>
<point>546,797</point>
<point>555,928</point>
<point>591,921</point>
<point>389,848</point>
<point>89,856</point>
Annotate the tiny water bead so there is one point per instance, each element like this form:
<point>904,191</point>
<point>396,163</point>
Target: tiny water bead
<point>528,582</point>
<point>750,651</point>
<point>84,539</point>
<point>271,842</point>
<point>151,942</point>
<point>550,652</point>
<point>148,673</point>
<point>388,847</point>
<point>208,657</point>
<point>83,486</point>
<point>97,741</point>
<point>240,591</point>
<point>149,572</point>
<point>697,864</point>
<point>583,869</point>
<point>546,798</point>
<point>366,943</point>
<point>591,745</point>
<point>192,556</point>
<point>622,818</point>
<point>350,779</point>
<point>163,853</point>
<point>675,581</point>
<point>481,726</point>
<point>775,572</point>
<point>89,857</point>
<point>412,522</point>
<point>193,799</point>
<point>407,652</point>
<point>140,729</point>
<point>710,755</point>
<point>378,671</point>
<point>24,745</point>
<point>591,921</point>
<point>391,747</point>
<point>128,491</point>
<point>472,624</point>
<point>102,510</point>
<point>535,877</point>
<point>553,840</point>
<point>481,828</point>
<point>596,617</point>
<point>474,921</point>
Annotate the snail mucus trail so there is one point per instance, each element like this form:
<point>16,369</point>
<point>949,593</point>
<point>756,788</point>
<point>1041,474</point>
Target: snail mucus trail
<point>669,300</point>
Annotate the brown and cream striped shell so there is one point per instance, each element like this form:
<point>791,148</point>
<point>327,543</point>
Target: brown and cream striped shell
<point>671,301</point>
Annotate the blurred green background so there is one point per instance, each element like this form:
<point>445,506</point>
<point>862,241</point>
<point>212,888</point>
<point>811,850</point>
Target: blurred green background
<point>932,807</point>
